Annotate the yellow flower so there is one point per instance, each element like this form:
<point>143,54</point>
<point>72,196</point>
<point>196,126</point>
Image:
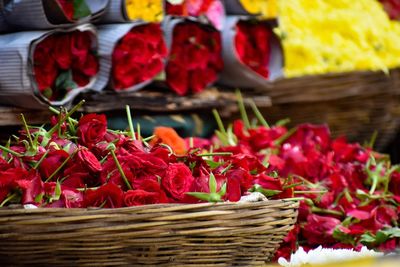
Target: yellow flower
<point>321,36</point>
<point>148,10</point>
<point>266,8</point>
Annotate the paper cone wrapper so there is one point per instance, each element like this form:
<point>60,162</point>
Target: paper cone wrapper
<point>109,36</point>
<point>18,86</point>
<point>115,12</point>
<point>236,73</point>
<point>31,14</point>
<point>235,7</point>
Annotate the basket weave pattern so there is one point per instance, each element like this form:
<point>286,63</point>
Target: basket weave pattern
<point>226,234</point>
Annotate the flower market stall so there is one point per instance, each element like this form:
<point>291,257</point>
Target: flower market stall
<point>199,132</point>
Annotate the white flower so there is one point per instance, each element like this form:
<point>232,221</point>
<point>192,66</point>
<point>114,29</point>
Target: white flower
<point>326,255</point>
<point>30,206</point>
<point>253,197</point>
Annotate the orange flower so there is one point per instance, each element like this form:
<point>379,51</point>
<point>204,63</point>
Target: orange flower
<point>170,137</point>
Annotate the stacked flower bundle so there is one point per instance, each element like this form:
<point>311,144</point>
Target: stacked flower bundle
<point>195,57</point>
<point>63,62</point>
<point>139,56</point>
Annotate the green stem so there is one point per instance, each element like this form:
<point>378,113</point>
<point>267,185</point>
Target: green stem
<point>28,133</point>
<point>324,211</point>
<point>147,139</point>
<point>284,137</point>
<point>41,159</point>
<point>8,199</point>
<point>310,192</point>
<point>293,199</point>
<point>219,122</point>
<point>258,114</point>
<point>242,109</point>
<point>121,171</point>
<point>129,116</point>
<point>12,152</point>
<point>58,125</point>
<point>57,112</point>
<point>215,154</point>
<point>139,132</point>
<point>61,166</point>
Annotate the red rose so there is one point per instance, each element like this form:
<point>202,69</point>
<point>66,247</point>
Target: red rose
<point>106,196</point>
<point>149,192</point>
<point>91,129</point>
<point>81,44</point>
<point>45,68</point>
<point>89,160</point>
<point>319,229</point>
<point>140,197</point>
<point>195,58</point>
<point>177,180</point>
<point>62,51</point>
<point>52,162</point>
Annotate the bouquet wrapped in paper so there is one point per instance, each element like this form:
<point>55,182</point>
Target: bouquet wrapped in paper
<point>130,10</point>
<point>48,14</point>
<point>252,53</point>
<point>195,55</point>
<point>40,68</point>
<point>212,11</point>
<point>131,55</point>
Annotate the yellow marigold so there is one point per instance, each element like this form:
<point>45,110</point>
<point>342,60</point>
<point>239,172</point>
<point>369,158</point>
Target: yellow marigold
<point>267,8</point>
<point>321,36</point>
<point>149,10</point>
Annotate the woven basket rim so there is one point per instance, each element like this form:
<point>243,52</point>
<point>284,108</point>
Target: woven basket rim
<point>154,207</point>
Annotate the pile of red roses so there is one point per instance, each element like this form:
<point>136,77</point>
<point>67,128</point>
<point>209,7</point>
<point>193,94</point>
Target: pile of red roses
<point>74,9</point>
<point>84,164</point>
<point>212,9</point>
<point>351,193</point>
<point>195,58</point>
<point>252,43</point>
<point>139,56</point>
<point>64,61</point>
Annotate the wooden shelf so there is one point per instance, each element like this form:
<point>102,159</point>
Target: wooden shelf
<point>149,100</point>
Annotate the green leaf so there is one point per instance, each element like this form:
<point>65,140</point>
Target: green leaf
<point>201,196</point>
<point>265,192</point>
<point>392,232</point>
<point>47,93</point>
<point>65,81</point>
<point>342,237</point>
<point>212,183</point>
<point>222,192</point>
<point>381,237</point>
<point>367,239</point>
<point>214,164</point>
<point>81,9</point>
<point>39,198</point>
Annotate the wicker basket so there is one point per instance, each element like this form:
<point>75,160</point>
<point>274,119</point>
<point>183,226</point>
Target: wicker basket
<point>352,104</point>
<point>226,234</point>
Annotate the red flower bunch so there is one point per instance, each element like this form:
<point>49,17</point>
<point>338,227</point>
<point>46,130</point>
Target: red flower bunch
<point>195,58</point>
<point>392,7</point>
<point>74,9</point>
<point>252,43</point>
<point>84,164</point>
<point>64,61</point>
<point>351,192</point>
<point>212,9</point>
<point>139,56</point>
